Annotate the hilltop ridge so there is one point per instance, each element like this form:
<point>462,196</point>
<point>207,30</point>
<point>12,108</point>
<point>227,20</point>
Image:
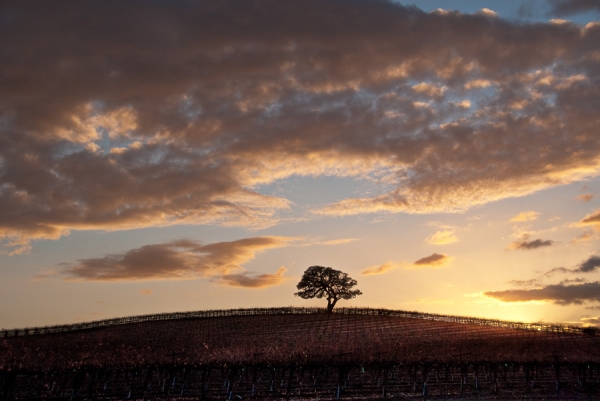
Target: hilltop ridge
<point>554,327</point>
<point>136,354</point>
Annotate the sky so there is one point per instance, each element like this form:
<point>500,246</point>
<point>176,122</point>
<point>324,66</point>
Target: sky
<point>160,156</point>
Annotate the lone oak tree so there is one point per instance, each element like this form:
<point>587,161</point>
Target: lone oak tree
<point>325,282</point>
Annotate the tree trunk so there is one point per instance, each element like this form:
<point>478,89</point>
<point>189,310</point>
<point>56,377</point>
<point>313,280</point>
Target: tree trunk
<point>330,304</point>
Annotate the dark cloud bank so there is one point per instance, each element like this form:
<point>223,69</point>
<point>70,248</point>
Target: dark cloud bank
<point>118,115</point>
<point>563,293</point>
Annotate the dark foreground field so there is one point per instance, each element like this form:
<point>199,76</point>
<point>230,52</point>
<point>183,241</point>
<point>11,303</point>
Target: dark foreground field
<point>293,353</point>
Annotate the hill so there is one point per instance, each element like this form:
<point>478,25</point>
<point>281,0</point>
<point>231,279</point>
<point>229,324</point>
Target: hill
<point>298,352</point>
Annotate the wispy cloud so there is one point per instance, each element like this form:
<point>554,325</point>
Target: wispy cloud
<point>380,269</point>
<point>248,280</point>
<point>524,283</point>
<point>442,237</point>
<point>525,216</point>
<point>583,237</point>
<point>589,265</point>
<point>592,219</point>
<point>556,270</point>
<point>433,260</point>
<point>585,197</point>
<point>338,241</point>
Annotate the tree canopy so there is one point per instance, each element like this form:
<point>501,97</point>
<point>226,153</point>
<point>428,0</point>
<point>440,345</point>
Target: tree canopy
<point>325,282</point>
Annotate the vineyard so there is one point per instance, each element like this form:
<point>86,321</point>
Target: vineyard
<point>299,353</point>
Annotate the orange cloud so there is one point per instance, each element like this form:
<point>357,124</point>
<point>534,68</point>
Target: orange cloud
<point>180,259</point>
<point>429,89</point>
<point>583,237</point>
<point>339,241</point>
<point>442,237</point>
<point>146,291</point>
<point>525,216</point>
<point>590,321</point>
<point>247,280</point>
<point>585,197</point>
<point>433,260</point>
<point>487,12</point>
<point>380,269</point>
<point>592,219</point>
<point>477,83</point>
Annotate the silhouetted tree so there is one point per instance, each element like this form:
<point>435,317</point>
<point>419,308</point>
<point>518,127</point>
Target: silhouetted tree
<point>325,282</point>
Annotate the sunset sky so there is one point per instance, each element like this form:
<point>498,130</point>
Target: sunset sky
<point>160,156</point>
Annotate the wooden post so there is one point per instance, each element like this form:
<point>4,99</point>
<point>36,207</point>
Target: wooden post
<point>288,392</point>
<point>425,377</point>
<point>9,382</point>
<point>385,373</point>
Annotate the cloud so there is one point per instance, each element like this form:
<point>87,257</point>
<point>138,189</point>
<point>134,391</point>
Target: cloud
<point>182,114</point>
<point>464,103</point>
<point>487,12</point>
<point>429,89</point>
<point>559,21</point>
<point>319,241</point>
<point>380,269</point>
<point>442,237</point>
<point>177,260</point>
<point>525,244</point>
<point>589,265</point>
<point>560,294</point>
<point>247,280</point>
<point>524,283</point>
<point>573,280</point>
<point>477,83</point>
<point>525,216</point>
<point>146,291</point>
<point>570,7</point>
<point>591,219</point>
<point>537,282</point>
<point>585,197</point>
<point>583,237</point>
<point>589,321</point>
<point>339,241</point>
<point>435,259</point>
<point>555,270</point>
